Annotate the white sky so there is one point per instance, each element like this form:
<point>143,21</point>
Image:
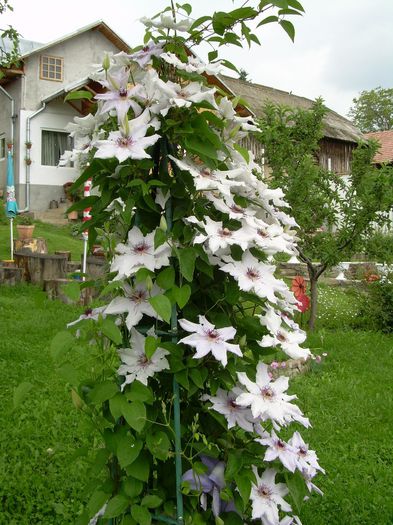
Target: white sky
<point>341,46</point>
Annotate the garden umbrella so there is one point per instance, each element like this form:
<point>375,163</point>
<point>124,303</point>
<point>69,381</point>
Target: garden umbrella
<point>11,208</point>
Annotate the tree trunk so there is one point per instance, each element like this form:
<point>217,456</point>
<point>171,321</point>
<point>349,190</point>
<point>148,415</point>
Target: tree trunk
<point>314,299</point>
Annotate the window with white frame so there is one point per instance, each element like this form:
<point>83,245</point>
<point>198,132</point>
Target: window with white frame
<point>2,148</point>
<point>51,68</point>
<point>53,145</point>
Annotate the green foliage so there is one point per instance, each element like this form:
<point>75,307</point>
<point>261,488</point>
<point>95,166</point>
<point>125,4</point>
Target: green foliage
<point>9,56</point>
<point>376,312</point>
<point>373,110</point>
<point>24,220</point>
<point>379,247</point>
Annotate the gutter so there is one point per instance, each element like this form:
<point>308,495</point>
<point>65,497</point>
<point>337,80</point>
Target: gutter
<point>27,166</point>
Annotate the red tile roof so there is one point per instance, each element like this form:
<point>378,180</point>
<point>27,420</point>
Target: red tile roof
<point>385,152</point>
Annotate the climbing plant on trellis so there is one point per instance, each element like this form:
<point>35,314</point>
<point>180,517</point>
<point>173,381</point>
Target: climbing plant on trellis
<point>173,370</point>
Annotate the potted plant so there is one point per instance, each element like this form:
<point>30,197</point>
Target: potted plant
<point>28,145</point>
<point>28,161</point>
<point>24,226</point>
<point>72,195</point>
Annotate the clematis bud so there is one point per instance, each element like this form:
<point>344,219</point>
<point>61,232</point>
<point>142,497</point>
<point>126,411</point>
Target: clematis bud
<point>163,224</point>
<point>106,63</point>
<point>243,341</point>
<point>149,283</point>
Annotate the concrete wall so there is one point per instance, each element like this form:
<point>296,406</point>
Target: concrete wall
<point>79,54</point>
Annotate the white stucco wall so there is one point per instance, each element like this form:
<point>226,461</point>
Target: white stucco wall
<point>79,53</point>
<point>55,117</point>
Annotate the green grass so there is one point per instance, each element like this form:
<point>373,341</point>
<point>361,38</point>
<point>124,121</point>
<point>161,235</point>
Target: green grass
<point>57,238</point>
<point>348,398</point>
<point>37,486</point>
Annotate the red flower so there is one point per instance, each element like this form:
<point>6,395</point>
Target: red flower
<point>298,286</point>
<point>303,303</point>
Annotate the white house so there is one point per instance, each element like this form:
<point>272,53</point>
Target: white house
<point>33,114</point>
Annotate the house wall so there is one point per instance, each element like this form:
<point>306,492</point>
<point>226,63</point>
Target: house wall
<point>340,154</point>
<point>14,90</point>
<point>80,53</point>
<point>46,182</point>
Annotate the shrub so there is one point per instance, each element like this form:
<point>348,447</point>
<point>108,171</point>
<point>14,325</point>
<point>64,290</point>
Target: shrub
<point>376,312</point>
<point>24,220</point>
<point>380,248</point>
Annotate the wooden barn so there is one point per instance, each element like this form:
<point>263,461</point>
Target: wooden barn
<point>340,135</point>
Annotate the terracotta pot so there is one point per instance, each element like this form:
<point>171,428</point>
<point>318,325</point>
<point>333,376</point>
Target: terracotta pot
<point>25,231</point>
<point>73,216</point>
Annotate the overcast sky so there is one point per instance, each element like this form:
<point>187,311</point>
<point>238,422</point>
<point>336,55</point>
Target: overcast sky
<point>341,48</point>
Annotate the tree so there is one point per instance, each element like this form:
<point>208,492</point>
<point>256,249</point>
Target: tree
<point>9,53</point>
<point>373,110</point>
<point>243,75</point>
<point>172,369</point>
<point>334,216</point>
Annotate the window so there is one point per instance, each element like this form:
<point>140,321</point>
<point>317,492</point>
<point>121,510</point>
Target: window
<point>51,68</point>
<point>2,148</point>
<point>53,145</point>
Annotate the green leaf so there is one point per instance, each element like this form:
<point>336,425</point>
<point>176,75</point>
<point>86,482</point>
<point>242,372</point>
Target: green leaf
<point>116,506</point>
<point>229,65</point>
<point>132,487</point>
<point>212,55</point>
<point>111,331</point>
<point>141,515</point>
<point>268,20</point>
<point>297,488</point>
<point>166,278</point>
<point>182,378</point>
<point>243,483</point>
<point>20,393</point>
<point>200,146</point>
<point>243,152</point>
<point>186,7</point>
<point>162,306</point>
<point>115,405</point>
<point>196,377</point>
<point>151,344</point>
<point>158,443</point>
<point>159,238</point>
<point>140,468</point>
<point>139,392</point>
<point>187,258</point>
<point>234,464</point>
<point>78,95</point>
<point>72,290</point>
<point>135,414</point>
<point>97,501</point>
<point>61,343</point>
<point>128,449</point>
<point>151,501</point>
<point>182,295</point>
<point>296,5</point>
<point>199,21</point>
<point>103,391</point>
<point>288,28</point>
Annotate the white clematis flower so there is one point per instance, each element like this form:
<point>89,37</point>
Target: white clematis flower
<point>192,93</point>
<point>225,403</point>
<point>266,496</point>
<point>119,94</point>
<point>219,238</point>
<point>205,178</point>
<point>193,65</point>
<point>135,364</point>
<point>268,400</point>
<point>306,458</point>
<point>288,341</point>
<point>255,276</point>
<point>277,448</point>
<point>129,142</point>
<point>143,57</point>
<point>137,253</point>
<point>135,303</point>
<point>207,338</point>
<point>90,313</point>
<point>166,21</point>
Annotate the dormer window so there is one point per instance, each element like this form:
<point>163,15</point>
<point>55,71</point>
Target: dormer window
<point>51,68</point>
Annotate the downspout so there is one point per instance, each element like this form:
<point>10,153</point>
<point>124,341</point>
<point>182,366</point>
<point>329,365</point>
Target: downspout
<point>27,166</point>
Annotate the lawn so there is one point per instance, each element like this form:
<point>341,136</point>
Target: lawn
<point>349,399</point>
<point>57,238</point>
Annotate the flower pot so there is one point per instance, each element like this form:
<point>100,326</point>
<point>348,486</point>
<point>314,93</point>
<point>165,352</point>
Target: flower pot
<point>25,231</point>
<point>73,216</point>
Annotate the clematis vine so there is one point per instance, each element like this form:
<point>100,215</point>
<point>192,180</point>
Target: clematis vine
<point>174,373</point>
